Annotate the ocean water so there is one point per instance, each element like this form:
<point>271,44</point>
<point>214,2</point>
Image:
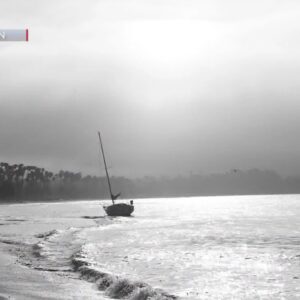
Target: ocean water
<point>234,247</point>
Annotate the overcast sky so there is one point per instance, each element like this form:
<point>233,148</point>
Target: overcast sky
<point>174,86</point>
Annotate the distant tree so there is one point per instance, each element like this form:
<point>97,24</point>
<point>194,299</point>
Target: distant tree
<point>20,182</point>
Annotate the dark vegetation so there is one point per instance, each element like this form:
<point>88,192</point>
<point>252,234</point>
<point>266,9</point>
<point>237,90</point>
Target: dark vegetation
<point>29,183</point>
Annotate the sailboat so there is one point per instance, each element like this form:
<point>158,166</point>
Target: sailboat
<point>115,209</point>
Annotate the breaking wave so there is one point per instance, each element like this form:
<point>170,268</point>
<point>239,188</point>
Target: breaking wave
<point>63,251</point>
<point>38,249</point>
<point>114,286</point>
<point>52,253</point>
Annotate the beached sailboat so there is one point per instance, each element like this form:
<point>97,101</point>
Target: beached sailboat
<point>116,209</point>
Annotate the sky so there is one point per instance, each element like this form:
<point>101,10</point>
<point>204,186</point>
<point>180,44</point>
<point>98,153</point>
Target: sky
<point>174,86</point>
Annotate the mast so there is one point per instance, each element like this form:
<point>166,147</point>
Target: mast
<point>107,176</point>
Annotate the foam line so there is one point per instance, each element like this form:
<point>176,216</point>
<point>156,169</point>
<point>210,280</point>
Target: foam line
<point>115,286</point>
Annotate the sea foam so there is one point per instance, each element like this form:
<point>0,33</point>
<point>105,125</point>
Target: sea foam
<point>115,286</point>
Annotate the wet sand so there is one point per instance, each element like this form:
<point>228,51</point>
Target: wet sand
<point>19,231</point>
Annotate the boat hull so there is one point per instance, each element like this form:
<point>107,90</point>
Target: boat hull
<point>119,210</point>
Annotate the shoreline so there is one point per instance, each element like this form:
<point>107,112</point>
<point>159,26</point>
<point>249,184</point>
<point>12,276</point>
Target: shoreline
<point>16,278</point>
<point>138,198</point>
<point>49,201</point>
<point>21,268</point>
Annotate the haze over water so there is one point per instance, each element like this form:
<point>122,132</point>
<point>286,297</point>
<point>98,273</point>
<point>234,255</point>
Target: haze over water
<point>175,86</point>
<point>240,247</point>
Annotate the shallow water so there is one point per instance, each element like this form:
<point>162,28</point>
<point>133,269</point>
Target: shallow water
<point>245,247</point>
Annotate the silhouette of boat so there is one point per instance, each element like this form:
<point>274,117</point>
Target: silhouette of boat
<point>115,209</point>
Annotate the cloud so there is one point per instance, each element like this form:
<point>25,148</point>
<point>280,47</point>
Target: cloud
<point>200,86</point>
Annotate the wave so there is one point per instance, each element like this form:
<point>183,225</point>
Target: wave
<point>10,221</point>
<point>93,217</point>
<point>115,286</point>
<point>50,254</point>
<point>38,249</point>
<point>57,251</point>
<point>12,242</point>
<point>46,234</point>
<point>15,220</point>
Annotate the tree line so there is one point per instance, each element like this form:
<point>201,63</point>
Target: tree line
<point>19,182</point>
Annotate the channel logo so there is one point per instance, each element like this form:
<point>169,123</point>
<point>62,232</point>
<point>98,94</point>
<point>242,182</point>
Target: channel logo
<point>14,35</point>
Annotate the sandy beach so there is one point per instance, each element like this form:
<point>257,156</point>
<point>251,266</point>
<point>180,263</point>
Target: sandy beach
<point>19,232</point>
